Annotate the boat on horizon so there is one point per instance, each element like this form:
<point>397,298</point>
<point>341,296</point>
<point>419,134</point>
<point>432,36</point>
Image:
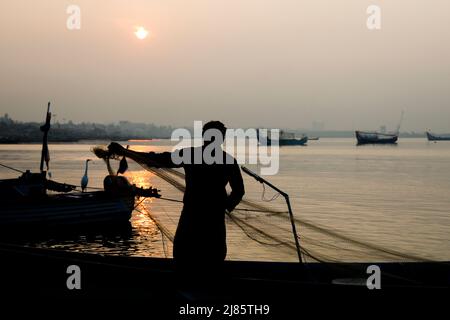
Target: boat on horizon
<point>375,137</point>
<point>367,137</point>
<point>435,137</point>
<point>285,139</point>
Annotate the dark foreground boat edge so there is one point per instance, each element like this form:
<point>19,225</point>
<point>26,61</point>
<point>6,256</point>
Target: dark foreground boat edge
<point>32,270</point>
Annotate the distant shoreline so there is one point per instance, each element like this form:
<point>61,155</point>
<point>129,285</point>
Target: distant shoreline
<point>7,141</point>
<point>15,132</point>
<point>133,140</point>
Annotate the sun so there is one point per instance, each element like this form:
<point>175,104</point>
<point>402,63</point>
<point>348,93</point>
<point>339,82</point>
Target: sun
<point>141,33</point>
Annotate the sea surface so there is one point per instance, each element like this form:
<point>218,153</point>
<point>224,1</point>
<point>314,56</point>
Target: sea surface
<point>368,202</point>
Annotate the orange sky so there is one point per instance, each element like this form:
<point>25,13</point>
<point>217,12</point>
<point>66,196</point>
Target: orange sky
<point>277,63</point>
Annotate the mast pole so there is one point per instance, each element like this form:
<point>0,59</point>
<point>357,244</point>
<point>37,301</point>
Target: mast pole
<point>45,128</point>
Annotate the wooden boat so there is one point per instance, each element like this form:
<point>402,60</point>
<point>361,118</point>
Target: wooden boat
<point>365,137</point>
<point>374,137</point>
<point>434,137</point>
<point>292,142</point>
<point>285,139</point>
<point>34,202</point>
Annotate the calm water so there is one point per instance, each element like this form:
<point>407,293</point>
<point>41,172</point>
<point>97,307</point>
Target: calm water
<point>395,197</point>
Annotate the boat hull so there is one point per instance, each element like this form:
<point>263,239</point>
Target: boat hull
<point>66,210</point>
<point>432,137</point>
<point>375,138</point>
<point>155,278</point>
<point>288,142</point>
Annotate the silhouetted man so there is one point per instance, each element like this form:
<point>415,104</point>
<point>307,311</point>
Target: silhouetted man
<point>200,239</point>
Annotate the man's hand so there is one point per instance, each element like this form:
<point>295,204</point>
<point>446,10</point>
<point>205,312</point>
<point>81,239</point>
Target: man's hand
<point>116,148</point>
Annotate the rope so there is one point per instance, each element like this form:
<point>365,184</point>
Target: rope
<point>235,209</point>
<point>169,199</point>
<point>11,168</point>
<point>263,195</point>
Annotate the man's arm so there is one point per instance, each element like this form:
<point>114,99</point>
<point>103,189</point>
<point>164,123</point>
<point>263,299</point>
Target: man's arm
<point>237,187</point>
<point>152,159</point>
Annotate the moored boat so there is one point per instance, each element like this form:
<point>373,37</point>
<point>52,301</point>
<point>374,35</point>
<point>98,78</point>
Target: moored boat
<point>285,139</point>
<point>32,201</point>
<point>375,137</point>
<point>435,137</point>
<point>74,209</point>
<point>364,137</point>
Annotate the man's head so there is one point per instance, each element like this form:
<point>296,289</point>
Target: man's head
<point>213,129</point>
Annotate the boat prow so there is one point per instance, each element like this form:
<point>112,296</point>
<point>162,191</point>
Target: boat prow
<point>434,137</point>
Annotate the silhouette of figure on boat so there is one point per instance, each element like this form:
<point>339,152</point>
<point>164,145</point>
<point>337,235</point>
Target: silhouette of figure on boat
<point>200,239</point>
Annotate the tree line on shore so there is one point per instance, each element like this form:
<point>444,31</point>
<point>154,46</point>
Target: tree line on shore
<point>12,131</point>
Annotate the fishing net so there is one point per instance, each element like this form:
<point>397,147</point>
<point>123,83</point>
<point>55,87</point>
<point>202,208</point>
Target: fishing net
<point>259,228</point>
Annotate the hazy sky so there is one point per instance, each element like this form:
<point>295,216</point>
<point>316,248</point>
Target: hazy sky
<point>273,63</point>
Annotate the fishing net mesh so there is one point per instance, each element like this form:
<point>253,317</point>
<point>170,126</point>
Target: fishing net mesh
<point>259,228</point>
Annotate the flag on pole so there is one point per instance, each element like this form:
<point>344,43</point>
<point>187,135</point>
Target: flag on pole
<point>45,156</point>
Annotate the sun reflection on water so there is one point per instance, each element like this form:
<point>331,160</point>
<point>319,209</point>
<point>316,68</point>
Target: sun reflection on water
<point>143,225</point>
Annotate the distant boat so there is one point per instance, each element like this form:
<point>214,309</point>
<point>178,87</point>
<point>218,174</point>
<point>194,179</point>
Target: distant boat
<point>365,137</point>
<point>374,137</point>
<point>434,137</point>
<point>286,139</point>
<point>313,138</point>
